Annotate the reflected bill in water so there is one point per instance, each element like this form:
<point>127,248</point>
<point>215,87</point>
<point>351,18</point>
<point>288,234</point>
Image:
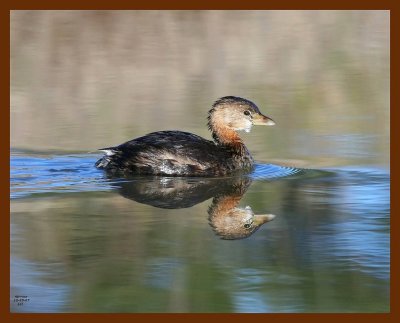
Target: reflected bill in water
<point>225,217</point>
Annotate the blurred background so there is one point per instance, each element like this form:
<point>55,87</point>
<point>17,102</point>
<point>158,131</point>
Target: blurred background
<point>82,80</point>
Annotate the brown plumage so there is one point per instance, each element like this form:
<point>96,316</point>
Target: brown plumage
<point>178,153</point>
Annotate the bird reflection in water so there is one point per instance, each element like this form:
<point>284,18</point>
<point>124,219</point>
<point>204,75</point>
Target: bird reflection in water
<point>232,222</point>
<point>225,217</point>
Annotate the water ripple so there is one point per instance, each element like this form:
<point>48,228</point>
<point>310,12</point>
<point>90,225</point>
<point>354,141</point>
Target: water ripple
<point>41,173</point>
<point>271,171</point>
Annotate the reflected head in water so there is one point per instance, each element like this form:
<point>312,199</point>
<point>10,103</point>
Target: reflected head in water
<point>231,222</point>
<point>227,220</point>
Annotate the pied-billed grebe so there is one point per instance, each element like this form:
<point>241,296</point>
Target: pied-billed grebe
<point>178,153</point>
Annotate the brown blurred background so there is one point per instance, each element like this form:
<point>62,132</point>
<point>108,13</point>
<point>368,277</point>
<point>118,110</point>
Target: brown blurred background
<point>82,80</point>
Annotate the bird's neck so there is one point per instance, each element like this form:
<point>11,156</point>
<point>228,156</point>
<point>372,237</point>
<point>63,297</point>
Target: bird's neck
<point>226,136</point>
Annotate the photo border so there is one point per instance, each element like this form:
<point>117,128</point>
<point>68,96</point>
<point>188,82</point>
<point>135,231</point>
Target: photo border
<point>7,6</point>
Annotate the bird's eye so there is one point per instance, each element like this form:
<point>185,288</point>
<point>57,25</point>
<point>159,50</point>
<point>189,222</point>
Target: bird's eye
<point>247,113</point>
<point>247,225</point>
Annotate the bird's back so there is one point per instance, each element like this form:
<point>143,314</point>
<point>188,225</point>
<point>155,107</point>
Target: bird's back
<point>174,153</point>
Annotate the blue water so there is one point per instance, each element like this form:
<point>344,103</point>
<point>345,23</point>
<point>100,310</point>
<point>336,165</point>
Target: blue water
<point>34,174</point>
<point>83,243</point>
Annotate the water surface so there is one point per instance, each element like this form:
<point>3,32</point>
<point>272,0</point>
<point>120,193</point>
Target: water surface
<point>83,243</point>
